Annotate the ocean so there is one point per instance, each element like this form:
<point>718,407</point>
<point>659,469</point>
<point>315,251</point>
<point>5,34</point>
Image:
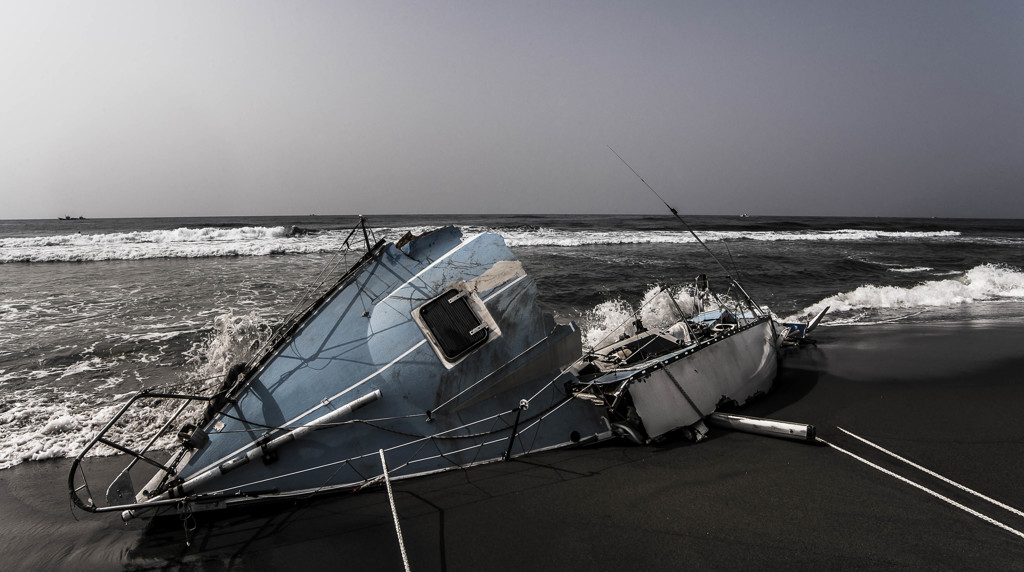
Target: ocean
<point>94,310</point>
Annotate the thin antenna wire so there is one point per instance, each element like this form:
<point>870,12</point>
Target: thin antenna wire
<point>753,306</point>
<point>674,211</point>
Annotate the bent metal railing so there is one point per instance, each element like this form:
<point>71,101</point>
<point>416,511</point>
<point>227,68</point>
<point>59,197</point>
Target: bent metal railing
<point>232,384</point>
<point>117,489</point>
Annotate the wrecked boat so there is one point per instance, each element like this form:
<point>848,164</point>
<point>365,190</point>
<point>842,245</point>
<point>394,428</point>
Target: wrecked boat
<point>656,381</point>
<point>428,354</point>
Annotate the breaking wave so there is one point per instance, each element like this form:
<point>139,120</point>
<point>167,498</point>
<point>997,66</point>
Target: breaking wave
<point>44,426</point>
<point>659,308</point>
<point>983,283</point>
<point>262,241</point>
<point>176,243</point>
<point>38,425</point>
<point>233,340</point>
<point>549,237</point>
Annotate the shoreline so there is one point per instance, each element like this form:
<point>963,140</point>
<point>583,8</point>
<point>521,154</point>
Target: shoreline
<point>942,395</point>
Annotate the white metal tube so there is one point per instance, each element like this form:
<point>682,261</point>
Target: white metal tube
<point>257,451</point>
<point>760,426</point>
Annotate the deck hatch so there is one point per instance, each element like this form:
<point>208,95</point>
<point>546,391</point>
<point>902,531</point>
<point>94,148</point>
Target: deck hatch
<point>453,324</point>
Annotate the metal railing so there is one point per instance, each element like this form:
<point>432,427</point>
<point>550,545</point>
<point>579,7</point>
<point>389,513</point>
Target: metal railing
<point>121,486</point>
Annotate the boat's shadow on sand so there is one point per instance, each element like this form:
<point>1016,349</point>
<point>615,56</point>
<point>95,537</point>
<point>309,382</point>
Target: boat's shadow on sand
<point>797,377</point>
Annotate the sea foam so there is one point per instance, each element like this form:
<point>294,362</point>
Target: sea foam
<point>60,423</point>
<point>36,426</point>
<point>982,283</point>
<point>176,243</point>
<point>612,319</point>
<point>549,237</point>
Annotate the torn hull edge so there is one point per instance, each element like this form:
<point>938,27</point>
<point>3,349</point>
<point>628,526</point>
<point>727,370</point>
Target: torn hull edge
<point>652,383</point>
<point>733,369</point>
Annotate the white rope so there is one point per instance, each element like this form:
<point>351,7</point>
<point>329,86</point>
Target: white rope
<point>394,512</point>
<point>927,490</point>
<point>934,474</point>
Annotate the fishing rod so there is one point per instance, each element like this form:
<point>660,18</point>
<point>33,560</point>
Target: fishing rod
<point>675,213</point>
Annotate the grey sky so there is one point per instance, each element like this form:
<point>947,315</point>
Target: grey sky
<point>128,108</point>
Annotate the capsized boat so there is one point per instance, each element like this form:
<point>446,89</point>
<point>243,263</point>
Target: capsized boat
<point>430,352</point>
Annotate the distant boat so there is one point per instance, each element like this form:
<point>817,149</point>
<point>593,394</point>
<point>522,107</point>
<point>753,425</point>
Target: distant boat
<point>432,353</point>
<point>70,218</point>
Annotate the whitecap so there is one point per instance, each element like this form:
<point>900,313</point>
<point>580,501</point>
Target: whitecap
<point>60,422</point>
<point>981,283</point>
<point>188,242</point>
<point>176,243</point>
<point>613,319</point>
<point>911,270</point>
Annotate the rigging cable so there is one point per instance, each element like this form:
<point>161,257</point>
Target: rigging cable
<point>675,213</point>
<point>670,208</point>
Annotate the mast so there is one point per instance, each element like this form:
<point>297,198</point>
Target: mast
<point>675,213</point>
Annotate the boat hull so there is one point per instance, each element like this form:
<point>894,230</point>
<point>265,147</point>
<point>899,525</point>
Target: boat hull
<point>731,369</point>
<point>368,371</point>
<point>429,354</point>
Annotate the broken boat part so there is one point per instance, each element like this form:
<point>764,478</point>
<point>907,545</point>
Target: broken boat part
<point>761,426</point>
<point>797,333</point>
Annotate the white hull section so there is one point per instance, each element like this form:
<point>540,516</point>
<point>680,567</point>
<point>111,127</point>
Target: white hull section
<point>734,368</point>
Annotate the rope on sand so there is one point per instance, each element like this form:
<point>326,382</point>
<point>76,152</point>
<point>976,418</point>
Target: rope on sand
<point>934,474</point>
<point>394,512</point>
<point>925,489</point>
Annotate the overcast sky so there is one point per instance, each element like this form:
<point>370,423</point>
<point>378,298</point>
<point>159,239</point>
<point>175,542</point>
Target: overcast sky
<point>186,108</point>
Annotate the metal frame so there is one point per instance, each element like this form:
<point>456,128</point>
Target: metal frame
<point>137,456</point>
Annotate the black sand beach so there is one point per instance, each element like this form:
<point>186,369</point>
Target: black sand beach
<point>946,396</point>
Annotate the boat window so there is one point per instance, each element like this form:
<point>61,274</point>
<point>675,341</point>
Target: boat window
<point>454,326</point>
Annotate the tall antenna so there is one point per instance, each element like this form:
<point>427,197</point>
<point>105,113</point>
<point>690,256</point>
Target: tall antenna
<point>675,213</point>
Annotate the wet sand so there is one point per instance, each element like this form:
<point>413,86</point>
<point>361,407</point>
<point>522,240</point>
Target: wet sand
<point>944,396</point>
